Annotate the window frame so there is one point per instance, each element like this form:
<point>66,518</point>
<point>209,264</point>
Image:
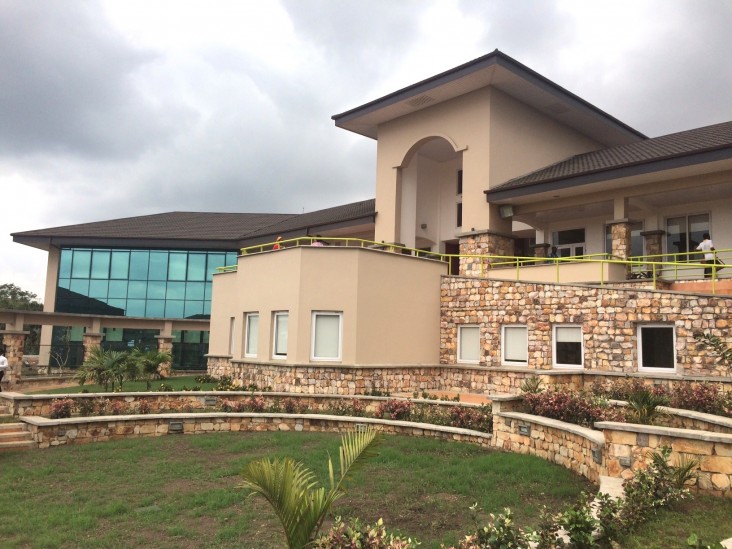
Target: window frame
<point>313,332</point>
<point>248,335</point>
<point>639,341</point>
<point>504,347</point>
<point>459,358</point>
<point>276,316</point>
<point>555,354</point>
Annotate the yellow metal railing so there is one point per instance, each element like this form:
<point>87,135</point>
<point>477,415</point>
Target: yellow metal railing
<point>683,266</point>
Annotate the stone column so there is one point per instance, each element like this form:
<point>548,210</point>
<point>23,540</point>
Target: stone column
<point>483,244</point>
<point>620,231</point>
<point>91,340</point>
<point>654,243</point>
<point>13,341</point>
<point>165,345</point>
<point>541,250</point>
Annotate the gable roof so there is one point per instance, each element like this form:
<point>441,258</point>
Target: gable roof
<point>686,148</point>
<point>502,72</point>
<point>192,230</point>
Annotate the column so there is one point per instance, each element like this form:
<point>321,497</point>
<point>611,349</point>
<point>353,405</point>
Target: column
<point>91,340</point>
<point>620,231</point>
<point>541,250</point>
<point>654,243</point>
<point>165,345</point>
<point>483,244</point>
<point>13,341</point>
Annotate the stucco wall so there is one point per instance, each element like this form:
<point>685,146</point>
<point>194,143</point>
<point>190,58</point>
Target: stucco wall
<point>390,303</point>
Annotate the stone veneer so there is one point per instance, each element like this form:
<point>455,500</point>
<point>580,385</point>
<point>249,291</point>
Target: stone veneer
<point>609,318</point>
<point>475,247</point>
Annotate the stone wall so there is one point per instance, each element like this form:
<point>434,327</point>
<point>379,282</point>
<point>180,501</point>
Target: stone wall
<point>56,432</point>
<point>629,446</point>
<point>609,318</point>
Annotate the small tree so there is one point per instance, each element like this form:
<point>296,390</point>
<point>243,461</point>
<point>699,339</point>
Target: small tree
<point>105,368</point>
<point>291,488</point>
<point>148,363</point>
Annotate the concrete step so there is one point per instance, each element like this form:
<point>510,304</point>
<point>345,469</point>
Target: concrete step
<point>14,436</point>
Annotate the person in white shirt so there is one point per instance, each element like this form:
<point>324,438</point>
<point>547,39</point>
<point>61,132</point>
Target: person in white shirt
<point>3,366</point>
<point>707,247</point>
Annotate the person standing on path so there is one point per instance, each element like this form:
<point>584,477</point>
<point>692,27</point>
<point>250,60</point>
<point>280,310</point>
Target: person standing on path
<point>3,366</point>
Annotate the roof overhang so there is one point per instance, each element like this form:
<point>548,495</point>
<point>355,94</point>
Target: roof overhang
<point>503,73</point>
<point>48,242</point>
<point>590,182</point>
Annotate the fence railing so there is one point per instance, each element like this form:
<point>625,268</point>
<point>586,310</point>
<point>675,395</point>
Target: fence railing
<point>656,268</point>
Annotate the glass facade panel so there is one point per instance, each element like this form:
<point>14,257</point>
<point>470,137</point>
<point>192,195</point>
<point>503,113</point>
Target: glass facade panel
<point>80,264</point>
<point>683,234</point>
<point>177,266</point>
<point>138,264</point>
<point>120,265</point>
<point>158,266</point>
<point>197,267</point>
<point>100,264</point>
<point>152,283</point>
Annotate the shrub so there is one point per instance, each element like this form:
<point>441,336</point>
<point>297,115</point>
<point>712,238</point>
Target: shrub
<point>254,404</point>
<point>118,408</point>
<point>499,533</point>
<point>532,384</point>
<point>704,397</point>
<point>580,523</point>
<point>226,384</point>
<point>394,409</point>
<point>293,406</point>
<point>205,378</point>
<point>355,534</point>
<point>85,407</point>
<point>164,387</point>
<point>61,407</point>
<point>477,419</point>
<point>581,408</point>
<point>233,406</point>
<point>144,407</point>
<point>643,407</point>
<point>102,406</point>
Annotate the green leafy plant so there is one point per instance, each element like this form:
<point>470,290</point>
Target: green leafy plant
<point>61,408</point>
<point>355,534</point>
<point>643,407</point>
<point>149,364</point>
<point>500,533</point>
<point>291,489</point>
<point>717,346</point>
<point>532,385</point>
<point>394,409</point>
<point>580,523</point>
<point>106,368</point>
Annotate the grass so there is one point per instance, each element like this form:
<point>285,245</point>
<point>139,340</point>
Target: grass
<point>181,491</point>
<point>177,383</point>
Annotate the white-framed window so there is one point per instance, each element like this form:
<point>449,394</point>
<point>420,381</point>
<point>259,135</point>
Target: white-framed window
<point>515,346</point>
<point>327,336</point>
<point>251,334</point>
<point>657,347</point>
<point>468,344</point>
<point>279,336</point>
<point>568,347</point>
<point>570,242</point>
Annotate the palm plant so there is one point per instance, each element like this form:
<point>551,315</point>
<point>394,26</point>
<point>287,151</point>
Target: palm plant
<point>104,368</point>
<point>292,491</point>
<point>643,406</point>
<point>148,363</point>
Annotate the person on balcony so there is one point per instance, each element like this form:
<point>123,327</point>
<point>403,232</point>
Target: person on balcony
<point>707,247</point>
<point>3,366</point>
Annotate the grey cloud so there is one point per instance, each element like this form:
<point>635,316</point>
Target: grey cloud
<point>66,84</point>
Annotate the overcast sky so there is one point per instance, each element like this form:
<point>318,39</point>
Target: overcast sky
<point>125,107</point>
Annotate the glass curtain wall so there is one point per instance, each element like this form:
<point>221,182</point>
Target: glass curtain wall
<point>142,283</point>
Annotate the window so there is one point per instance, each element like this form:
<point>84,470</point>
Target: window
<point>570,242</point>
<point>251,334</point>
<point>468,344</point>
<point>279,347</point>
<point>656,347</point>
<point>683,234</point>
<point>515,346</point>
<point>636,239</point>
<point>568,346</point>
<point>326,340</point>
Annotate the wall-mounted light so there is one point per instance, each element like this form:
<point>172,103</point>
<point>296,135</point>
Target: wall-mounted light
<point>505,211</point>
<point>423,225</point>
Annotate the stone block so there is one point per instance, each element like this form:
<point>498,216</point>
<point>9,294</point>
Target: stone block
<point>720,482</point>
<point>688,446</point>
<point>717,464</point>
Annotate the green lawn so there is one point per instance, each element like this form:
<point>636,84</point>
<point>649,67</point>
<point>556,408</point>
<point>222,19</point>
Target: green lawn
<point>181,491</point>
<point>177,383</point>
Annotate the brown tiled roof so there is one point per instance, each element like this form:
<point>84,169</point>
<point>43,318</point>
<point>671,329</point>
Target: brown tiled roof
<point>673,146</point>
<point>200,226</point>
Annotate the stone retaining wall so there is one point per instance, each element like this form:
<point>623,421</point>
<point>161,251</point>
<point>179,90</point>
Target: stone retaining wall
<point>628,447</point>
<point>55,432</point>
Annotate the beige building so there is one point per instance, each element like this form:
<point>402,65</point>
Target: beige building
<point>478,170</point>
